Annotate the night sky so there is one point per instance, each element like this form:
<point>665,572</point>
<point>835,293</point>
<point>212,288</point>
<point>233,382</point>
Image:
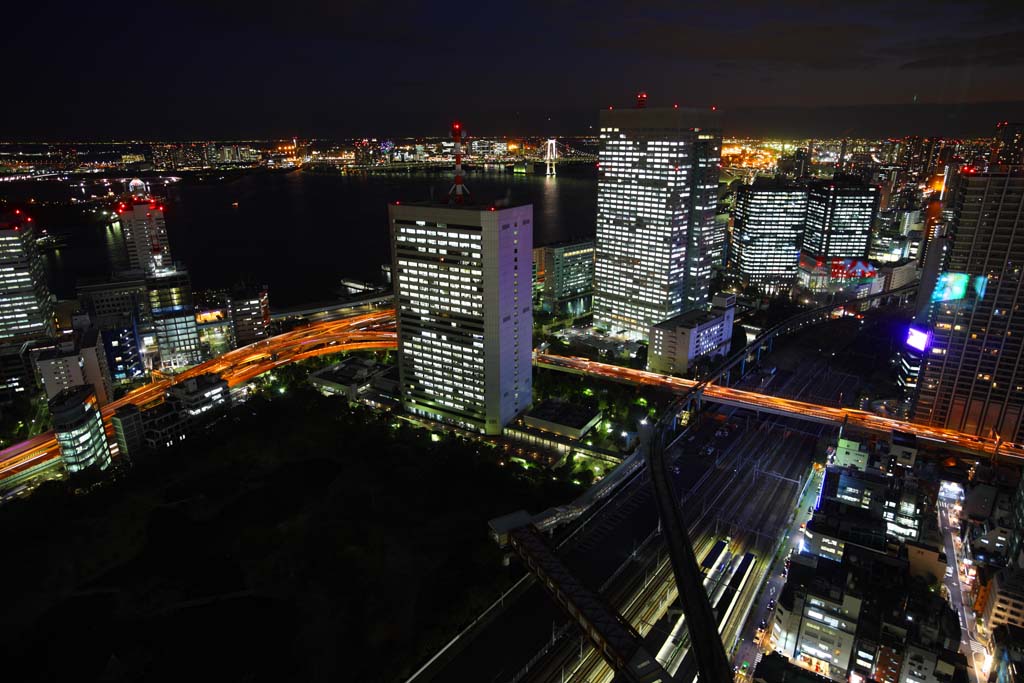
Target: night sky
<point>218,68</point>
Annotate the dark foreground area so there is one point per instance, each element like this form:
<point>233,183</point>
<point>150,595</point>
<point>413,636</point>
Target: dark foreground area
<point>301,540</point>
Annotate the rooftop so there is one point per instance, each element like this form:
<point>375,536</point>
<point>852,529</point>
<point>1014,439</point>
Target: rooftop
<point>690,319</point>
<point>573,415</point>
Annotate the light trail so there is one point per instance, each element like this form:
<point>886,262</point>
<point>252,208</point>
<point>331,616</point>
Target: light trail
<point>375,331</point>
<point>365,332</point>
<point>782,406</point>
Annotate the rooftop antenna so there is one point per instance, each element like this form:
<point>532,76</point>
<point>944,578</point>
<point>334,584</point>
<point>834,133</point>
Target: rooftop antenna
<point>458,189</point>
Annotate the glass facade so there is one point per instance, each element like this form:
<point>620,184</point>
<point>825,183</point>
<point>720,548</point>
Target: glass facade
<point>79,429</point>
<point>840,214</point>
<point>174,321</point>
<point>768,228</point>
<point>568,277</point>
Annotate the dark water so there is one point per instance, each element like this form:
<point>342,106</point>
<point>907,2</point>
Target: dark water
<point>302,233</point>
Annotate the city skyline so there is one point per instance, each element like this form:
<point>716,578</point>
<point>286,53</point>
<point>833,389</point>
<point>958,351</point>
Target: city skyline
<point>560,342</point>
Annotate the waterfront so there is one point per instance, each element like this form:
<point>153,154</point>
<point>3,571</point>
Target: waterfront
<point>301,233</point>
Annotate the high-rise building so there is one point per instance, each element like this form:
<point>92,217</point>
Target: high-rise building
<point>568,271</point>
<point>970,380</point>
<point>462,277</point>
<point>656,200</point>
<point>837,232</point>
<point>26,307</point>
<point>79,429</point>
<point>174,321</point>
<point>1009,146</point>
<point>768,227</point>
<point>144,230</point>
<point>249,310</point>
<point>840,213</point>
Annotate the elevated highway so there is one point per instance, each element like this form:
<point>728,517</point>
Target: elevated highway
<point>374,330</point>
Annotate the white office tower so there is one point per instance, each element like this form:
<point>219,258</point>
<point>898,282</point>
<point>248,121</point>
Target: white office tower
<point>462,277</point>
<point>144,230</point>
<point>656,196</point>
<point>768,226</point>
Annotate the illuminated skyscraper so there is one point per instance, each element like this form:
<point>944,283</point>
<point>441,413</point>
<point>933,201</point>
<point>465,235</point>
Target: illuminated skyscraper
<point>972,379</point>
<point>173,316</point>
<point>79,429</point>
<point>462,277</point>
<point>26,308</point>
<point>144,230</point>
<point>768,226</point>
<point>840,213</point>
<point>656,198</point>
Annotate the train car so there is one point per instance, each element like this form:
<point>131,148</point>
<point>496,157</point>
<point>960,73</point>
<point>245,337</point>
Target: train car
<point>727,604</point>
<point>714,558</point>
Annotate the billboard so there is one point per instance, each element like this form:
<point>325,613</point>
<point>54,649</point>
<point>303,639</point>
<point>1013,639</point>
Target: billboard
<point>918,338</point>
<point>951,287</point>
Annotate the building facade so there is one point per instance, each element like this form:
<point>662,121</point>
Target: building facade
<point>657,194</point>
<point>144,230</point>
<point>837,234</point>
<point>78,362</point>
<point>970,379</point>
<point>172,311</point>
<point>462,278</point>
<point>677,342</point>
<point>26,307</point>
<point>768,228</point>
<point>78,426</point>
<point>568,272</point>
<point>249,310</point>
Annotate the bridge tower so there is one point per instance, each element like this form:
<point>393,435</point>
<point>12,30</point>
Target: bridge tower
<point>550,155</point>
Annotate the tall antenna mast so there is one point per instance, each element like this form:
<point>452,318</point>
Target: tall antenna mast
<point>458,189</point>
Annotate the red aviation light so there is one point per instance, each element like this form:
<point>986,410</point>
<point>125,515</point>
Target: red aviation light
<point>17,212</point>
<point>675,106</point>
<point>714,108</point>
<point>492,209</point>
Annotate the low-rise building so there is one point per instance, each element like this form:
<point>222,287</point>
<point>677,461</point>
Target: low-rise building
<point>1005,600</point>
<point>815,619</point>
<point>349,378</point>
<point>565,419</point>
<point>677,342</point>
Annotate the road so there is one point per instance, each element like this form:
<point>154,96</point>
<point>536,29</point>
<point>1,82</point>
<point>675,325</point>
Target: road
<point>972,648</point>
<point>356,333</point>
<point>374,330</point>
<point>786,407</point>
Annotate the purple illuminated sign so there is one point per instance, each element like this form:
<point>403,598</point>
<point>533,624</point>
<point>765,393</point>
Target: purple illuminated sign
<point>918,339</point>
